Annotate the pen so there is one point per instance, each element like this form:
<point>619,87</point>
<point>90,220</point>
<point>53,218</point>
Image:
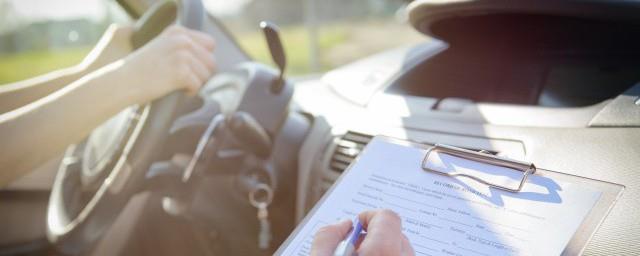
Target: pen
<point>348,246</point>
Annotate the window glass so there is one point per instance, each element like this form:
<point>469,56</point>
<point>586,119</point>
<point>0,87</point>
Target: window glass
<point>38,36</point>
<point>318,34</point>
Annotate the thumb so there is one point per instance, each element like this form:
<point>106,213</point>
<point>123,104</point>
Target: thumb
<point>327,238</point>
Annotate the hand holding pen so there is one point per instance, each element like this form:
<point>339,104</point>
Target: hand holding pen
<point>383,236</point>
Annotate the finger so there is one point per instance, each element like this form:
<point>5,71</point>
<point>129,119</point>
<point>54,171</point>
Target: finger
<point>360,239</point>
<point>198,68</point>
<point>193,86</point>
<point>190,81</point>
<point>327,238</point>
<point>407,249</point>
<point>384,218</point>
<point>205,56</point>
<point>192,89</point>
<point>384,233</point>
<point>203,39</point>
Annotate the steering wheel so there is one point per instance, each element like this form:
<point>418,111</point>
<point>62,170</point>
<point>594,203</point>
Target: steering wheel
<point>99,175</point>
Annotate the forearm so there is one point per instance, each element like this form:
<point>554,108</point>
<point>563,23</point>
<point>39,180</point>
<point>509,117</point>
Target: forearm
<point>177,59</point>
<point>113,45</point>
<point>37,132</point>
<point>18,94</point>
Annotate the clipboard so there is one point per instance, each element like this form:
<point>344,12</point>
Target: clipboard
<point>609,192</point>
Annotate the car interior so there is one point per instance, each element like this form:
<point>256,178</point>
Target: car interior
<point>551,82</point>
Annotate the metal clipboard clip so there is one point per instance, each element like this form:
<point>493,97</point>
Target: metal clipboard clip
<point>482,157</point>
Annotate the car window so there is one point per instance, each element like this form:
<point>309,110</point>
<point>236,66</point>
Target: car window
<point>317,34</point>
<point>38,36</point>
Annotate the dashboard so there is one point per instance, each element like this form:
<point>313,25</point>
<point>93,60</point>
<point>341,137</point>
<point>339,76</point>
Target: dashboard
<point>350,105</point>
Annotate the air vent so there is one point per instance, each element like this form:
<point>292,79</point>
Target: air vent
<point>348,147</point>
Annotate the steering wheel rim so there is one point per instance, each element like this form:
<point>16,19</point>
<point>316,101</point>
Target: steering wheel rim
<point>74,234</point>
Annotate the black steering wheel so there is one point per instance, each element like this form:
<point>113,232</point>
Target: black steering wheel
<point>99,175</point>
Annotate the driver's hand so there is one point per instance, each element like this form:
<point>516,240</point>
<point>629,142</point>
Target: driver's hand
<point>384,236</point>
<point>178,58</point>
<point>114,44</point>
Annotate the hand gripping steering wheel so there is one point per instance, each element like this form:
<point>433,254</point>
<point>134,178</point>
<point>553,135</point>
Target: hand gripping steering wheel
<point>99,175</point>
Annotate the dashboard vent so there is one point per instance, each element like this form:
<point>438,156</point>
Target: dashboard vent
<point>348,147</point>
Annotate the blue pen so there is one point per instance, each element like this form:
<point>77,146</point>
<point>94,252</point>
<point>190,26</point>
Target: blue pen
<point>348,246</point>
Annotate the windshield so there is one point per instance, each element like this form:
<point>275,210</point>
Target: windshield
<point>318,35</point>
<point>39,36</point>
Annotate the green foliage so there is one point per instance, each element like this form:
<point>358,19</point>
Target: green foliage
<point>25,65</point>
<point>19,66</point>
<point>338,44</point>
<point>296,43</point>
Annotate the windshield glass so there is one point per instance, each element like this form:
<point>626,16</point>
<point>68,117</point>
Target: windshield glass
<point>39,36</point>
<point>318,35</point>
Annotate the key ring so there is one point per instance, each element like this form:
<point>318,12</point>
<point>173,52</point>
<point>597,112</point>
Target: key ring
<point>261,187</point>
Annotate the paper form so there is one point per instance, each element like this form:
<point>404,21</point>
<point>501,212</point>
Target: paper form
<point>451,216</point>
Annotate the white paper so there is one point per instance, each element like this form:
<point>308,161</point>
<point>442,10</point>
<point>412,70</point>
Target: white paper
<point>452,216</point>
